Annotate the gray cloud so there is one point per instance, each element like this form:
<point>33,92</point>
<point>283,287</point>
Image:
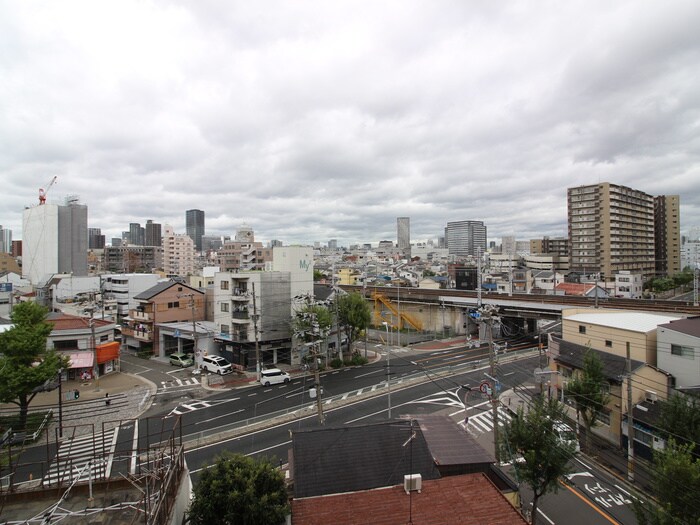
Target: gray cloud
<point>319,120</point>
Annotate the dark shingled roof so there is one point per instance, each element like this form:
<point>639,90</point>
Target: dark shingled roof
<point>449,444</point>
<point>614,366</point>
<point>159,288</point>
<point>352,458</point>
<point>689,326</point>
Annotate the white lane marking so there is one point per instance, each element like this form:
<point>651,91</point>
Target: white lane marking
<point>545,516</point>
<point>134,448</point>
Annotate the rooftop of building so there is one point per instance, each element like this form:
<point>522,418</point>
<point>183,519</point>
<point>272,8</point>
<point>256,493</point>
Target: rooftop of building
<point>632,321</point>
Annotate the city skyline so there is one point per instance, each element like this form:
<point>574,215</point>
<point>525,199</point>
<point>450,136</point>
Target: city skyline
<point>315,121</point>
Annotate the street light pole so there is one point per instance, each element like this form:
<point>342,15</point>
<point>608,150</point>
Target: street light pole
<point>388,369</point>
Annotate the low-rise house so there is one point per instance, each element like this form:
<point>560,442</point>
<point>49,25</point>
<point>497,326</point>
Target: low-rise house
<point>88,344</point>
<point>166,302</point>
<point>581,290</point>
<point>678,351</point>
<point>610,331</point>
<point>567,360</point>
<point>428,467</point>
<point>629,285</point>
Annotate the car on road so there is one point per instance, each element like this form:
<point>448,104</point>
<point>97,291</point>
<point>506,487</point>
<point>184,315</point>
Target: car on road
<point>566,435</point>
<point>216,364</point>
<point>180,359</point>
<point>273,376</point>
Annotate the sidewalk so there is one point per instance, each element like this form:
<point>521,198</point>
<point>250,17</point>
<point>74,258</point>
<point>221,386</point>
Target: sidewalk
<point>129,396</point>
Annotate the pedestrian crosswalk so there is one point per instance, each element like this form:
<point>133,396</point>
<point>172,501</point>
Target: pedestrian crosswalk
<point>483,421</point>
<point>73,456</point>
<point>176,382</point>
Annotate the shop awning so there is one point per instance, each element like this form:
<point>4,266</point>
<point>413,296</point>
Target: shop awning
<point>107,352</point>
<point>79,359</point>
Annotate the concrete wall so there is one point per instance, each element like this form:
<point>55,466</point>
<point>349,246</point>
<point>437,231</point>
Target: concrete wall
<point>686,370</point>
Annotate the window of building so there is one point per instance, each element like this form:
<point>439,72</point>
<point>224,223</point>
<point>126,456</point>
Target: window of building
<point>608,343</point>
<point>224,285</point>
<point>175,304</point>
<point>224,329</point>
<point>683,351</point>
<point>581,329</point>
<point>71,344</point>
<point>224,307</point>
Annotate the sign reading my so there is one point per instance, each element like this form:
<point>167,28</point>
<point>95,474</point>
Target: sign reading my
<point>304,265</point>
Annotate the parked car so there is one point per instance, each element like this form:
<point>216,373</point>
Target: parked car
<point>273,376</point>
<point>216,364</point>
<point>181,360</point>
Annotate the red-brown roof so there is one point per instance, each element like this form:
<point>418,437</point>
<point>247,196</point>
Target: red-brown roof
<point>574,288</point>
<point>452,500</point>
<point>61,321</point>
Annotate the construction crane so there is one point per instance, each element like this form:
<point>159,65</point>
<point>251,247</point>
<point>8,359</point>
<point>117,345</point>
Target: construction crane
<point>43,192</point>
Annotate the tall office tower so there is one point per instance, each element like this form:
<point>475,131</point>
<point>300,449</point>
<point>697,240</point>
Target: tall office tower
<point>153,236</point>
<point>403,233</point>
<point>5,240</point>
<point>611,228</point>
<point>96,241</point>
<point>137,234</point>
<point>194,227</point>
<point>55,240</point>
<point>333,244</point>
<point>667,235</point>
<point>464,238</point>
<point>178,253</point>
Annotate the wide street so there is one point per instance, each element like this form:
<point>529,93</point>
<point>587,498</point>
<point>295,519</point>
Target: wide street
<point>422,382</point>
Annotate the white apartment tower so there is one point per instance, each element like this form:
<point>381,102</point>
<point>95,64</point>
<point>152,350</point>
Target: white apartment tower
<point>54,240</point>
<point>178,253</point>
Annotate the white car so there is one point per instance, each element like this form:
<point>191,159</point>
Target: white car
<point>273,376</point>
<point>216,364</point>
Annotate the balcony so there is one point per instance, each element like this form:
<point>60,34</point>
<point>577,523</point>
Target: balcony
<point>138,315</point>
<point>236,337</point>
<point>138,334</point>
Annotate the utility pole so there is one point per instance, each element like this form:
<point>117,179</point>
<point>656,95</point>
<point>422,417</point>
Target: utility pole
<point>630,419</point>
<point>695,282</point>
<point>487,315</point>
<point>194,335</point>
<point>478,277</point>
<point>94,353</point>
<point>255,329</point>
<point>388,380</point>
<point>398,329</point>
<point>315,334</point>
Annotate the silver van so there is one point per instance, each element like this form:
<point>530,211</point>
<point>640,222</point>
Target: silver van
<point>273,376</point>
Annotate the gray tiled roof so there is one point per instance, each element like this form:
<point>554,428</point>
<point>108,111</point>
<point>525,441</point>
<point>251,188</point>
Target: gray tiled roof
<point>159,288</point>
<point>350,458</point>
<point>614,366</point>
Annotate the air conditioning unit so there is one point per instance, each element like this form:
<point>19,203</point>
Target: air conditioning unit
<point>412,482</point>
<point>651,397</point>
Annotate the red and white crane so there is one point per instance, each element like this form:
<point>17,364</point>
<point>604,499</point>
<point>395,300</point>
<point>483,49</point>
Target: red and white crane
<point>43,192</point>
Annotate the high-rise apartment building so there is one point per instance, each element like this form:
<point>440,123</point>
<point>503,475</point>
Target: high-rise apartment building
<point>194,227</point>
<point>55,240</point>
<point>137,234</point>
<point>403,233</point>
<point>464,238</point>
<point>154,236</point>
<point>554,246</point>
<point>178,253</point>
<point>96,241</point>
<point>667,235</point>
<point>5,240</point>
<point>611,228</point>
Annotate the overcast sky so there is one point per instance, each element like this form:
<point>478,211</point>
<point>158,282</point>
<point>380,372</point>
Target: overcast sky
<point>312,121</point>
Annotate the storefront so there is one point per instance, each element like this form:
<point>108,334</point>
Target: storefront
<point>80,365</point>
<point>108,357</point>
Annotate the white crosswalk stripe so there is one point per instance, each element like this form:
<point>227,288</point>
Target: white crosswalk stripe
<point>483,421</point>
<point>176,383</point>
<point>74,454</point>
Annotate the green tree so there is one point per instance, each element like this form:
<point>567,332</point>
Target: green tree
<point>676,484</point>
<point>312,323</point>
<point>318,275</point>
<point>354,315</point>
<point>239,490</point>
<point>589,392</point>
<point>545,457</point>
<point>25,363</point>
<point>680,418</point>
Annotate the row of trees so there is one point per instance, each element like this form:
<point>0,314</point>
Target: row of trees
<point>664,284</point>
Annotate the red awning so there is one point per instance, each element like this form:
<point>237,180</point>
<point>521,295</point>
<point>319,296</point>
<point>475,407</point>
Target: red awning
<point>107,352</point>
<point>79,359</point>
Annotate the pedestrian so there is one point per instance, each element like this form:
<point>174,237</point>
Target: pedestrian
<point>107,399</point>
